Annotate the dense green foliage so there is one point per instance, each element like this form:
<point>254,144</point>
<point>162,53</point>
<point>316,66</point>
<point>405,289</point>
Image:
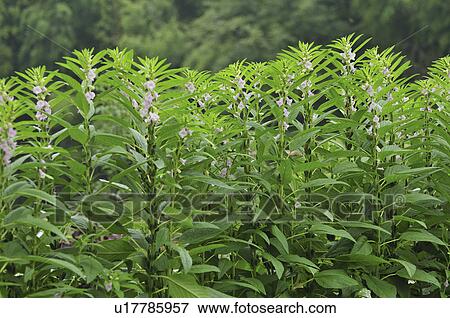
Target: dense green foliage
<point>324,172</point>
<point>210,34</point>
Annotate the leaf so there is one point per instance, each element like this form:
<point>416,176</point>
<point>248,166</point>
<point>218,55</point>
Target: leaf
<point>203,268</point>
<point>421,198</point>
<point>321,182</point>
<point>421,235</point>
<point>40,223</point>
<point>38,194</point>
<point>186,259</point>
<point>301,261</point>
<point>380,287</point>
<point>91,267</point>
<point>362,246</point>
<point>279,268</point>
<point>212,181</point>
<point>194,236</point>
<point>326,229</point>
<point>78,134</point>
<point>409,267</point>
<point>256,283</point>
<point>55,262</point>
<point>334,278</point>
<point>361,260</point>
<point>114,250</point>
<point>280,236</point>
<point>185,286</point>
<point>363,225</point>
<point>420,275</point>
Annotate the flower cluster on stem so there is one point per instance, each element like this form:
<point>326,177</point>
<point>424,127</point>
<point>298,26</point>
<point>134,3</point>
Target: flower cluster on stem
<point>146,107</point>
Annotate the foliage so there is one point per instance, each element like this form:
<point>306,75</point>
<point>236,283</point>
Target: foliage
<point>209,34</point>
<point>322,173</point>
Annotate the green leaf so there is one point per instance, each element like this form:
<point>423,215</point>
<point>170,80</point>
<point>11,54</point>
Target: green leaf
<point>91,267</point>
<point>300,261</point>
<point>40,223</point>
<point>114,250</point>
<point>58,263</point>
<point>78,134</point>
<point>334,278</point>
<point>203,268</point>
<point>380,287</point>
<point>409,267</point>
<point>421,235</point>
<point>361,260</point>
<point>186,259</point>
<point>185,286</point>
<point>212,181</point>
<point>194,236</point>
<point>279,268</point>
<point>326,229</point>
<point>420,275</point>
<point>363,225</point>
<point>38,194</point>
<point>280,236</point>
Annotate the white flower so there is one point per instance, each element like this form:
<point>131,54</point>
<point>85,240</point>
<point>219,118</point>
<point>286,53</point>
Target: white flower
<point>248,95</point>
<point>411,282</point>
<point>288,101</point>
<point>305,84</point>
<point>405,99</point>
<point>286,113</point>
<point>150,85</point>
<point>41,173</point>
<point>280,102</point>
<point>376,119</point>
<point>241,83</point>
<point>190,87</point>
<point>375,106</point>
<point>308,65</point>
<point>91,75</point>
<point>297,205</point>
<point>285,126</point>
<point>89,96</point>
<point>152,118</point>
<point>241,106</point>
<point>223,172</point>
<point>402,117</point>
<point>39,234</point>
<point>206,97</point>
<point>134,103</point>
<point>38,90</point>
<point>385,71</point>
<point>108,286</point>
<point>184,132</point>
<point>41,104</point>
<point>183,161</point>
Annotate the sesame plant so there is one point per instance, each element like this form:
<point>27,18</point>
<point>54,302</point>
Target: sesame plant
<point>322,173</point>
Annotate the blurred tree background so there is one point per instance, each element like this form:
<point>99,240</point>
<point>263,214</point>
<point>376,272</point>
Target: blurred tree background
<point>209,34</point>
